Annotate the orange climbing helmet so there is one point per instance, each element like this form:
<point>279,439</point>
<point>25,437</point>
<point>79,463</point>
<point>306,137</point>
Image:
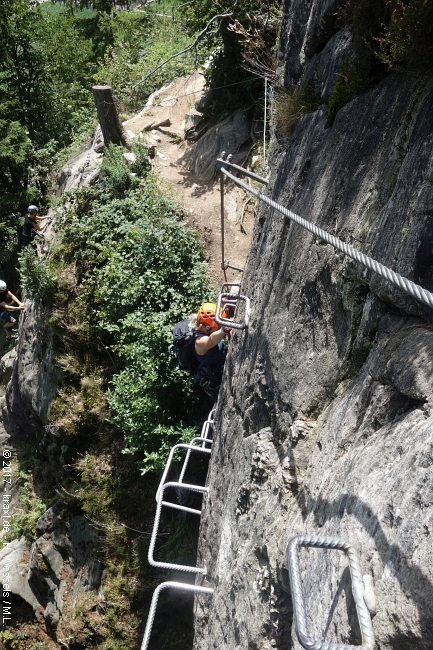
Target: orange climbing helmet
<point>206,313</point>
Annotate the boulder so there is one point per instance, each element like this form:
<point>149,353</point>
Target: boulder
<point>228,136</point>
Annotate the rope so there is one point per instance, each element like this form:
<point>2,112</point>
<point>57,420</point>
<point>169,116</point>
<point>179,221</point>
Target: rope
<point>409,287</point>
<point>357,590</point>
<point>166,585</point>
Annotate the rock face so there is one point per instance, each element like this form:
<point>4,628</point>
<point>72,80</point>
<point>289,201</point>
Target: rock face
<point>54,572</point>
<point>226,136</point>
<point>35,378</point>
<point>325,424</point>
<point>51,577</point>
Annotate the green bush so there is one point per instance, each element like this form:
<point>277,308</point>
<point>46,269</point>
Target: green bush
<point>31,508</point>
<point>139,271</point>
<point>407,42</point>
<point>361,67</point>
<point>387,35</point>
<point>142,42</point>
<point>115,169</point>
<point>231,40</point>
<point>38,279</point>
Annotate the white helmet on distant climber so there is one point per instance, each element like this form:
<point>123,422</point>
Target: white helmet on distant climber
<point>32,208</point>
<point>3,285</point>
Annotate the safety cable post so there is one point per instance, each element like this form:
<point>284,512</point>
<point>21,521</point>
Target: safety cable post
<point>300,618</point>
<point>167,585</point>
<point>227,265</point>
<point>222,223</point>
<point>402,283</point>
<point>223,164</point>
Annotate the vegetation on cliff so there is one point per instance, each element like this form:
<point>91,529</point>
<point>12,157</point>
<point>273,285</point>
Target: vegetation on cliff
<point>124,268</point>
<point>387,35</point>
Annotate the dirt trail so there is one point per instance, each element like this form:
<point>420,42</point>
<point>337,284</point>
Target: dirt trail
<point>200,201</point>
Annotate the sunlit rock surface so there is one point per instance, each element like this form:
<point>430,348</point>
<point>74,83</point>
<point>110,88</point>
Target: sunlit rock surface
<point>325,423</point>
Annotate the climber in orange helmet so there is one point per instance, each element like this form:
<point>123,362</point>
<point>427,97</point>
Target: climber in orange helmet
<point>209,349</point>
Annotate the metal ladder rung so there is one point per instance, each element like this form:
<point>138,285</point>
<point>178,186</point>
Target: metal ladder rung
<point>190,447</point>
<point>160,503</point>
<point>176,506</point>
<point>300,617</point>
<point>232,298</point>
<point>165,585</point>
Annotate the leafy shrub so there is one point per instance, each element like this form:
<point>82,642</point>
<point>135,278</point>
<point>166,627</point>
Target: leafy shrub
<point>142,164</point>
<point>233,41</point>
<point>387,34</point>
<point>142,42</point>
<point>37,277</point>
<point>31,508</point>
<point>407,42</point>
<point>115,169</point>
<point>139,271</point>
<point>360,67</point>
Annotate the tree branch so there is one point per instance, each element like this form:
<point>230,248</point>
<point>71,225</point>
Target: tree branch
<point>193,44</point>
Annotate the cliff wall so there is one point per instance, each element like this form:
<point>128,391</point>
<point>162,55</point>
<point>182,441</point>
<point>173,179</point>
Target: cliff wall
<point>325,425</point>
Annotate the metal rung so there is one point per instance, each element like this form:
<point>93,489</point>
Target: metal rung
<point>204,437</point>
<point>176,506</point>
<point>300,617</point>
<point>165,585</point>
<point>203,440</point>
<point>229,297</point>
<point>160,503</point>
<point>190,448</point>
<point>226,265</point>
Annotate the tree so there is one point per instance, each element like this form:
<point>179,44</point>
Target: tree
<point>235,84</point>
<point>41,81</point>
<point>105,6</point>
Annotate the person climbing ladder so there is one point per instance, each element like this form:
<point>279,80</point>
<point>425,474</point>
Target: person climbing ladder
<point>200,349</point>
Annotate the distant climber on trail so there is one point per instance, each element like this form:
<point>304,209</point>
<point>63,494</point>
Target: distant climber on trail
<point>8,320</point>
<point>200,349</point>
<point>31,226</point>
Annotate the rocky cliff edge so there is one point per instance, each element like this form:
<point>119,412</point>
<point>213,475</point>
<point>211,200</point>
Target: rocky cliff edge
<point>325,425</point>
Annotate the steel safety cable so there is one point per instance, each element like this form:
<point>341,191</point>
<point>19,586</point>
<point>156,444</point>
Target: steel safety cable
<point>394,278</point>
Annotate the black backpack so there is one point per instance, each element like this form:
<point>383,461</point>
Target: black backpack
<point>182,347</point>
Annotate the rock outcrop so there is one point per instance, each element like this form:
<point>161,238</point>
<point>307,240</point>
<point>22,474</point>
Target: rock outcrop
<point>52,575</point>
<point>54,572</point>
<point>325,423</point>
<point>229,135</point>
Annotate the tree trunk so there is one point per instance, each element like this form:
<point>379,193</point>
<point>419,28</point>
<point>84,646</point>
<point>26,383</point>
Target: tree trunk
<point>107,114</point>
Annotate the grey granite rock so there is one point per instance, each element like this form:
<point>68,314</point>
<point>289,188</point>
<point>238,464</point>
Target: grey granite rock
<point>226,136</point>
<point>325,422</point>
